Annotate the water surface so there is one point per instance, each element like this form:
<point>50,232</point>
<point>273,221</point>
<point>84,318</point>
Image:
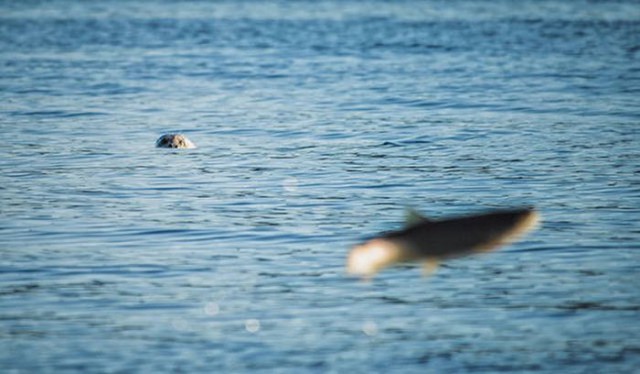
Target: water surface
<point>317,123</point>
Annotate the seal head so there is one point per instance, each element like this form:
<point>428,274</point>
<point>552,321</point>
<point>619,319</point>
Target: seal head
<point>174,141</point>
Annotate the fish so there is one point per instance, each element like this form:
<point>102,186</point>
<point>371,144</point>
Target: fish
<point>174,141</point>
<point>432,241</point>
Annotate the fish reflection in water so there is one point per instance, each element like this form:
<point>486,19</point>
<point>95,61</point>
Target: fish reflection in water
<point>431,241</point>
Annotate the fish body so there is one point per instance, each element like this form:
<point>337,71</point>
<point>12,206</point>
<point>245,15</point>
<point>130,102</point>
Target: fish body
<point>431,241</point>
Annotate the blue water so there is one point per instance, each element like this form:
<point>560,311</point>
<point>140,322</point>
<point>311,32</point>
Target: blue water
<point>317,123</point>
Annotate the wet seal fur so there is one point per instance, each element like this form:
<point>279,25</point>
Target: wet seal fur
<point>174,141</point>
<point>431,241</point>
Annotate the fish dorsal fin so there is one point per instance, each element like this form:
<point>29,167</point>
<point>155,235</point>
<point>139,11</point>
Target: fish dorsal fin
<point>412,217</point>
